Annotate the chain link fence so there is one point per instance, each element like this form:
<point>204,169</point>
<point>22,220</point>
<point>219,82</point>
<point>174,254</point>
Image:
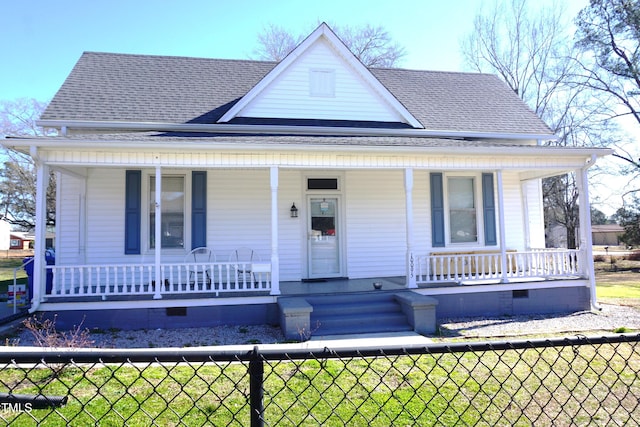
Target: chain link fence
<point>571,381</point>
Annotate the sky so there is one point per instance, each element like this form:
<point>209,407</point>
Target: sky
<point>43,39</point>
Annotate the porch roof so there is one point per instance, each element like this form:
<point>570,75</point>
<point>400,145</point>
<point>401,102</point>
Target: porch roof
<point>268,142</point>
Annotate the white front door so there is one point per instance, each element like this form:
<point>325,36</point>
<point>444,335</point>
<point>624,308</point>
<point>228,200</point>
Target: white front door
<point>324,239</point>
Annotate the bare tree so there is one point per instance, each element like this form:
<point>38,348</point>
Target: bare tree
<point>372,45</point>
<point>274,43</point>
<point>17,172</point>
<point>533,54</point>
<point>609,37</point>
<point>609,31</point>
<point>18,117</point>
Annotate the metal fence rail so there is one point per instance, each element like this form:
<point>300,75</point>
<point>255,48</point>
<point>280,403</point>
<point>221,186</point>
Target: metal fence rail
<point>570,381</point>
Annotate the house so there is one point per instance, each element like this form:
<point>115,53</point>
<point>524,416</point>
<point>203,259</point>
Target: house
<point>12,240</point>
<point>333,174</point>
<point>20,241</point>
<point>607,234</point>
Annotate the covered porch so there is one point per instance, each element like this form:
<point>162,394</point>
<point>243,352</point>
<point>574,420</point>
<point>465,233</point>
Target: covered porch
<point>382,209</point>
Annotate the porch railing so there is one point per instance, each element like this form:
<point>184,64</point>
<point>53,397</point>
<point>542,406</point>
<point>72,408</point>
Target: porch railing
<point>140,279</point>
<point>479,266</point>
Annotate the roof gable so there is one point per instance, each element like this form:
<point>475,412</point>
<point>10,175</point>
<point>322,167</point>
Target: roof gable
<point>322,80</point>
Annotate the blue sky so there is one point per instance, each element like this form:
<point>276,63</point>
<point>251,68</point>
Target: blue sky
<point>43,39</point>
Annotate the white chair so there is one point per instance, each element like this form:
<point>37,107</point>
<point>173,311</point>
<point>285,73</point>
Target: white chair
<point>241,260</point>
<point>199,273</point>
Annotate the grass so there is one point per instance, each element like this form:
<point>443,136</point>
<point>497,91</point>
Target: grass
<point>618,283</point>
<point>7,266</point>
<point>541,386</point>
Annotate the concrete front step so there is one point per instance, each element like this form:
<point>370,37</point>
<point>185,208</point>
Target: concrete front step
<point>355,307</point>
<point>356,313</point>
<point>378,296</point>
<point>363,323</point>
<point>359,313</point>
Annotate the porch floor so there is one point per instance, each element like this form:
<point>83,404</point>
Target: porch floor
<point>294,288</point>
<point>341,285</point>
<point>305,288</point>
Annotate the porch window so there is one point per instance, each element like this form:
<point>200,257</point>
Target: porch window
<point>462,209</point>
<point>173,211</point>
<point>463,224</point>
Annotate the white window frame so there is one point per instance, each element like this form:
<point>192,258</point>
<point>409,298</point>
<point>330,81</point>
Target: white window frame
<point>477,188</point>
<point>146,211</point>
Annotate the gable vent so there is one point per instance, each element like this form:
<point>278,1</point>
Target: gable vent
<point>322,83</point>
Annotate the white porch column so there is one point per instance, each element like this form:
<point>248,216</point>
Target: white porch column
<point>40,245</point>
<point>82,227</point>
<point>410,261</point>
<point>586,239</point>
<point>158,235</point>
<point>503,240</point>
<point>275,256</point>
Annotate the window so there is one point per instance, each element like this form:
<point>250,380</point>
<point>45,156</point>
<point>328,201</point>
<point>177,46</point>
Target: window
<point>462,209</point>
<point>463,224</point>
<point>322,184</point>
<point>177,220</point>
<point>173,211</point>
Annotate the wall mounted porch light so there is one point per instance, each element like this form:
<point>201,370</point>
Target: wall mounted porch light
<point>294,211</point>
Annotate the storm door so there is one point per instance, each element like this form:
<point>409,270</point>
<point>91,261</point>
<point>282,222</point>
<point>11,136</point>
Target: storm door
<point>324,239</point>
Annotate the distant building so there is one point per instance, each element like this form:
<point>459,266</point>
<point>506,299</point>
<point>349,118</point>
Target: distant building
<point>20,241</point>
<point>607,234</point>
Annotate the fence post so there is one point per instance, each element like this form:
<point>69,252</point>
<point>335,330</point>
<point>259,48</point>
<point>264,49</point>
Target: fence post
<point>256,389</point>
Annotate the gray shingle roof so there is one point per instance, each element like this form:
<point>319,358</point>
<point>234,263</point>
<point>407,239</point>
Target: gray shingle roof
<point>141,88</point>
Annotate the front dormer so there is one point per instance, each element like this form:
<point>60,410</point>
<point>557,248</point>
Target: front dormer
<point>321,80</point>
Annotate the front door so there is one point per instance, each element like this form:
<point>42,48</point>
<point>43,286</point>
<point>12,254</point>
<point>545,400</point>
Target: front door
<point>324,237</point>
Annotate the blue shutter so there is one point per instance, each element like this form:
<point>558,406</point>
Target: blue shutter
<point>198,209</point>
<point>437,211</point>
<point>133,211</point>
<point>489,207</point>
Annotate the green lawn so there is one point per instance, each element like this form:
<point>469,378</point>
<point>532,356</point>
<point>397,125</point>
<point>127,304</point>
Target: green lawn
<point>541,386</point>
<point>7,266</point>
<point>618,284</point>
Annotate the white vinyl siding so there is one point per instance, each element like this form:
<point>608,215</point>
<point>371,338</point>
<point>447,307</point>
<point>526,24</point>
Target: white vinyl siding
<point>376,223</point>
<point>68,218</point>
<point>290,95</point>
<point>105,217</point>
<point>533,209</point>
<point>292,232</point>
<point>239,211</point>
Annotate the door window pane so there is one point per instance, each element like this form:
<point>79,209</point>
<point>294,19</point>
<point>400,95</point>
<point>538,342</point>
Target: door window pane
<point>172,202</point>
<point>463,226</point>
<point>323,240</point>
